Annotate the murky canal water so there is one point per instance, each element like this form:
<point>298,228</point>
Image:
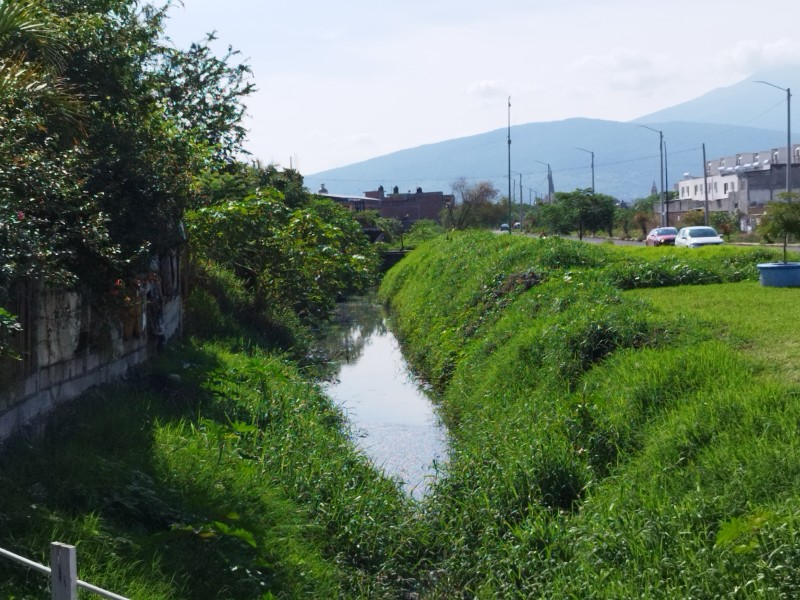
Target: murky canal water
<point>391,417</point>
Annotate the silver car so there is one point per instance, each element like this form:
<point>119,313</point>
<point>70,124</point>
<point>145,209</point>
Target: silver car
<point>696,236</point>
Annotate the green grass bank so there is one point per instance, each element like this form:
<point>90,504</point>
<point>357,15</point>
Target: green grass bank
<point>218,471</point>
<point>624,420</point>
<point>624,425</point>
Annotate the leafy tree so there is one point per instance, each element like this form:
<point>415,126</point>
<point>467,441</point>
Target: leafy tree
<point>302,257</point>
<point>105,132</point>
<point>693,217</point>
<point>585,211</point>
<point>555,217</point>
<point>474,205</point>
<point>423,230</point>
<point>204,94</point>
<point>643,215</point>
<point>725,223</point>
<point>781,221</point>
<point>625,219</point>
<point>158,118</point>
<point>32,58</point>
<point>388,230</point>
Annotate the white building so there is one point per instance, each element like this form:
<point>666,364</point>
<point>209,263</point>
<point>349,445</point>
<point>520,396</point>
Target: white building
<point>743,184</point>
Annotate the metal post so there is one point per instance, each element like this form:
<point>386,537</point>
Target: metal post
<point>661,154</point>
<point>788,142</point>
<point>63,572</point>
<point>592,153</point>
<point>549,178</point>
<point>509,165</point>
<point>666,188</point>
<point>705,184</point>
<point>788,134</point>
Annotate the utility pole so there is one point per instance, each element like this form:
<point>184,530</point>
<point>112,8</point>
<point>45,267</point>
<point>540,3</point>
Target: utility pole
<point>549,180</point>
<point>661,154</point>
<point>788,134</point>
<point>705,184</point>
<point>666,187</point>
<point>509,164</point>
<point>592,153</point>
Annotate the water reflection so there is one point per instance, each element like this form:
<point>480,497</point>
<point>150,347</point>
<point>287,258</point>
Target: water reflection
<point>392,418</point>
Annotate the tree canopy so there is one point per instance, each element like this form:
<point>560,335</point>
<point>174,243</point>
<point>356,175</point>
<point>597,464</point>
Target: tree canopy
<point>107,129</point>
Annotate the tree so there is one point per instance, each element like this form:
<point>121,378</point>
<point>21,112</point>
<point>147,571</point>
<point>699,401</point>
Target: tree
<point>158,119</point>
<point>781,220</point>
<point>555,217</point>
<point>32,59</point>
<point>693,217</point>
<point>301,257</point>
<point>725,223</point>
<point>585,211</point>
<point>474,205</point>
<point>643,213</point>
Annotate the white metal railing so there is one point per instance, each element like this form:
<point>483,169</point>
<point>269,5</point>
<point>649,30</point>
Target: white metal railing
<point>63,572</point>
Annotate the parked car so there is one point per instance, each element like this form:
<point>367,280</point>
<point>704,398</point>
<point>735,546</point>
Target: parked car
<point>694,237</point>
<point>504,227</point>
<point>661,236</point>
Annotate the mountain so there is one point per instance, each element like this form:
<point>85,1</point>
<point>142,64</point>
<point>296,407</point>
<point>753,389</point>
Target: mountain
<point>744,103</point>
<point>626,155</point>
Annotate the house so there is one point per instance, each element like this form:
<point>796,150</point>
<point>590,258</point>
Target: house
<point>406,207</point>
<point>740,184</point>
<point>411,206</point>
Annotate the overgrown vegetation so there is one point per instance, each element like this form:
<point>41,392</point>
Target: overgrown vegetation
<point>605,443</point>
<point>107,130</point>
<point>613,435</point>
<point>623,421</point>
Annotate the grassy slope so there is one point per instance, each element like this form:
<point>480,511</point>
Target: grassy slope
<point>607,443</point>
<point>234,481</point>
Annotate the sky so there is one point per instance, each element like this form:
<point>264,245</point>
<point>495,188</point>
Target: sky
<point>341,82</point>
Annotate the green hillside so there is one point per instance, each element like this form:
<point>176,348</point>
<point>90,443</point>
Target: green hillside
<point>619,431</point>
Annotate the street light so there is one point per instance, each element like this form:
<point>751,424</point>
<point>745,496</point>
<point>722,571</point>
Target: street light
<point>549,179</point>
<point>788,133</point>
<point>509,164</point>
<point>592,153</point>
<point>661,154</point>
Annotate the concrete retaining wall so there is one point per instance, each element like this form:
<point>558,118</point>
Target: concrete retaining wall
<point>54,383</point>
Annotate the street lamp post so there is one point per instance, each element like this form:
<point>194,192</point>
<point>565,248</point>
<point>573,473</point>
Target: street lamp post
<point>788,133</point>
<point>661,154</point>
<point>592,153</point>
<point>509,165</point>
<point>549,178</point>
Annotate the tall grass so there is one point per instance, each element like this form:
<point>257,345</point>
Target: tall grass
<point>606,443</point>
<point>623,424</point>
<point>210,474</point>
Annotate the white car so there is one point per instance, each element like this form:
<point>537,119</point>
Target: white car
<point>694,237</point>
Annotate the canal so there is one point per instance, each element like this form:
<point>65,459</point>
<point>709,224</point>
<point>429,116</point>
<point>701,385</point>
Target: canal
<point>390,413</point>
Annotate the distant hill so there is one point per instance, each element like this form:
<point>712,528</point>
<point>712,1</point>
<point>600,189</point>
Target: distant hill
<point>745,103</point>
<point>627,161</point>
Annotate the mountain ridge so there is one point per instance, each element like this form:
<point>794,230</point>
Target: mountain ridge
<point>626,154</point>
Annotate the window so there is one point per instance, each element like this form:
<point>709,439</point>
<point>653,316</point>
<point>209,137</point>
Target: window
<point>725,189</point>
<point>774,157</point>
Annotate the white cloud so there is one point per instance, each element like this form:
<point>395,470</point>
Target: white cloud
<point>487,89</point>
<point>626,70</point>
<point>751,55</point>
